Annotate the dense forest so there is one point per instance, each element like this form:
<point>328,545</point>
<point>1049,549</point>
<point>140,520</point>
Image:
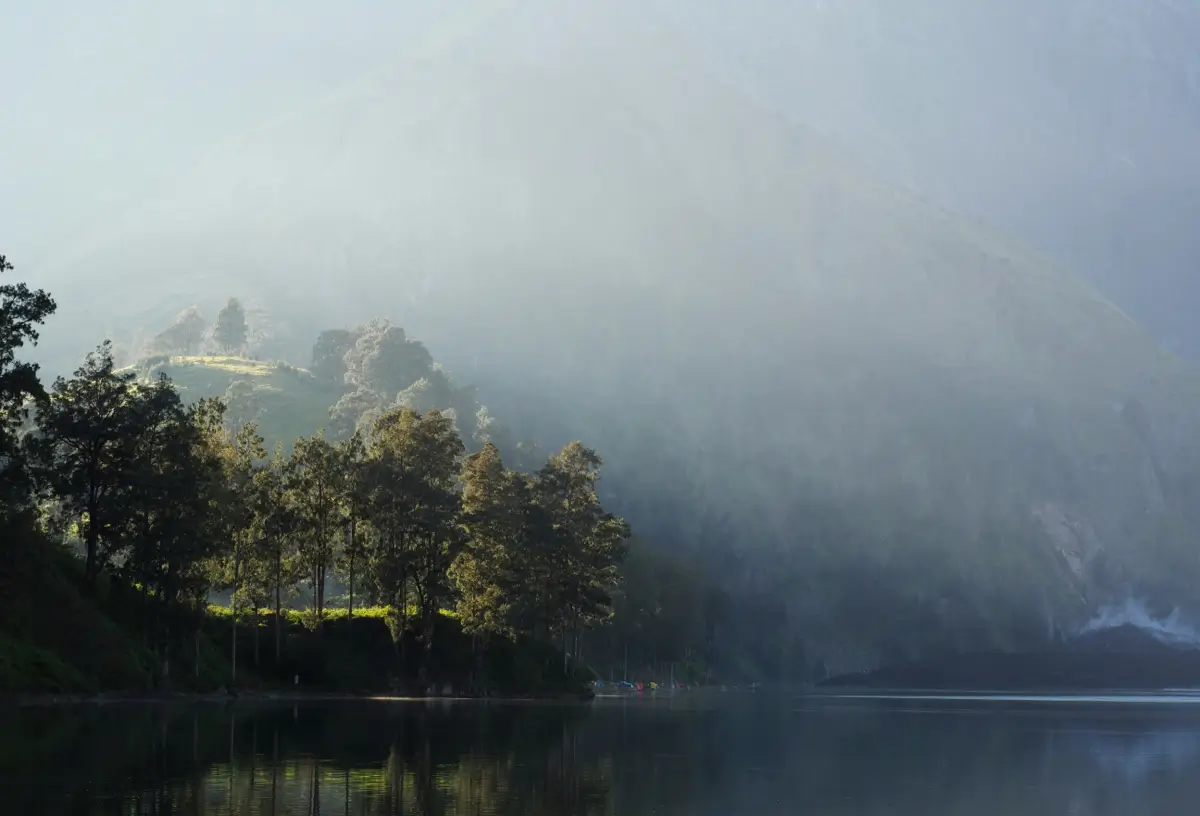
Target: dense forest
<point>483,577</point>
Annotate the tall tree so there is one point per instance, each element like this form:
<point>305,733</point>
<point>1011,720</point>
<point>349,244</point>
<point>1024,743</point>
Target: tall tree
<point>314,481</point>
<point>176,510</point>
<point>385,482</point>
<point>488,573</point>
<point>357,410</point>
<point>430,449</point>
<point>383,360</point>
<point>354,501</point>
<point>22,310</point>
<point>329,356</point>
<point>276,521</point>
<point>242,454</point>
<point>87,452</point>
<point>580,559</point>
<point>229,332</point>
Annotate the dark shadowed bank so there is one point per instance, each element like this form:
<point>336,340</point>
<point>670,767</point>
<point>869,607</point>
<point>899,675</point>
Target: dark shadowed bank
<point>1123,658</point>
<point>62,643</point>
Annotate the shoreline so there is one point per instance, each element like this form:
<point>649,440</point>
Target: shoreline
<point>17,700</point>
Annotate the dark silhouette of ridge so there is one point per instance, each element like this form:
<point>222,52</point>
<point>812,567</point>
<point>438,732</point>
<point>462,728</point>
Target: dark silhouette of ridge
<point>1123,658</point>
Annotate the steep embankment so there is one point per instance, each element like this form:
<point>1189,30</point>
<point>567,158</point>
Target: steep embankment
<point>53,638</point>
<point>889,431</point>
<point>59,638</point>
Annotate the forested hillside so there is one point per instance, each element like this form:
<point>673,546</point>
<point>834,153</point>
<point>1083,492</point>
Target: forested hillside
<point>884,430</point>
<point>125,507</point>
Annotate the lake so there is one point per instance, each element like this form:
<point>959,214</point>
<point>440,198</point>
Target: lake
<point>693,753</point>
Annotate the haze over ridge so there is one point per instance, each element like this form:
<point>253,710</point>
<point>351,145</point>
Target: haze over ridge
<point>690,282</point>
<point>1074,124</point>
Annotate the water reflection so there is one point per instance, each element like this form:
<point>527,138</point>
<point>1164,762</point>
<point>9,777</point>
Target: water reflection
<point>749,754</point>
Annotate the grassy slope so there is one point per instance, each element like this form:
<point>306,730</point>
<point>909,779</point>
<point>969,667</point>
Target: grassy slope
<point>285,401</point>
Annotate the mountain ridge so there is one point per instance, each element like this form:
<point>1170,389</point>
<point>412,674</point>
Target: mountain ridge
<point>768,343</point>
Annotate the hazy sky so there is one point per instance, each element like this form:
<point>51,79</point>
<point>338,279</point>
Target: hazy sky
<point>1074,124</point>
<point>104,101</point>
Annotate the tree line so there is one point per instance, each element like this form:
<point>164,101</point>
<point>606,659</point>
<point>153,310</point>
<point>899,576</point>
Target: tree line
<point>189,333</point>
<point>164,497</point>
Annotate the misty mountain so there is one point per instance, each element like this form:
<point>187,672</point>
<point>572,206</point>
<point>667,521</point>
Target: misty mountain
<point>883,426</point>
<point>1074,124</point>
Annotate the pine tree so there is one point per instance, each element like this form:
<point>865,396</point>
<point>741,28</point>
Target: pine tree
<point>230,332</point>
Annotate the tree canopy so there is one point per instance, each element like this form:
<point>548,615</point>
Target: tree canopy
<point>22,311</point>
<point>230,332</point>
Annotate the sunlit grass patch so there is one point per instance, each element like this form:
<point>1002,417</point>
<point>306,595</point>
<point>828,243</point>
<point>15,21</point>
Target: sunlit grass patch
<point>300,616</point>
<point>286,402</point>
<point>233,365</point>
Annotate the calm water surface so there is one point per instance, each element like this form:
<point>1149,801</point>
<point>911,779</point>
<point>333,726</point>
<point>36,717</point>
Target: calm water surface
<point>738,753</point>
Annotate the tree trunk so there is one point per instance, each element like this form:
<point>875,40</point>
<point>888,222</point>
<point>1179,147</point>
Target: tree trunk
<point>321,595</point>
<point>233,616</point>
<point>350,554</point>
<point>278,605</point>
<point>316,602</point>
<point>145,615</point>
<point>564,648</point>
<point>92,540</point>
<point>256,638</point>
<point>480,663</point>
<point>403,603</point>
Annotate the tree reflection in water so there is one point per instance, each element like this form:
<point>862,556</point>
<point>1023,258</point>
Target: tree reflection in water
<point>356,758</point>
<point>749,754</point>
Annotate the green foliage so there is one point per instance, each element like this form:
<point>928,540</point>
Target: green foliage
<point>328,363</point>
<point>88,452</point>
<point>24,668</point>
<point>384,360</point>
<point>56,637</point>
<point>171,500</point>
<point>298,617</point>
<point>578,567</point>
<point>316,485</point>
<point>664,615</point>
<point>283,401</point>
<point>382,369</point>
<point>488,571</point>
<point>22,311</point>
